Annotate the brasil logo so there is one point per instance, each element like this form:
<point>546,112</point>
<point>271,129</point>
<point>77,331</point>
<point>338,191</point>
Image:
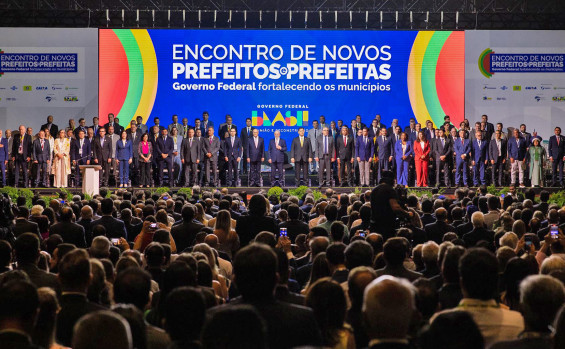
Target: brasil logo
<point>301,119</point>
<point>484,63</point>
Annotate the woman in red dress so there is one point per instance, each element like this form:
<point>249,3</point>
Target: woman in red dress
<point>422,159</point>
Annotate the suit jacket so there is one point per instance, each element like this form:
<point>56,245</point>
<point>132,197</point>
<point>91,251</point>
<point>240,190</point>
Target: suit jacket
<point>294,228</point>
<point>436,231</point>
<point>41,278</point>
<point>142,128</point>
<point>383,148</point>
<point>479,153</point>
<point>274,154</point>
<point>26,147</point>
<point>445,150</point>
<point>165,146</point>
<point>134,141</point>
<point>78,129</point>
<point>345,152</point>
<point>86,150</point>
<point>73,307</point>
<point>115,228</point>
<point>244,136</point>
<point>364,151</point>
<point>398,150</point>
<point>124,152</point>
<point>400,272</point>
<point>429,135</point>
<point>103,152</point>
<point>190,153</point>
<point>418,151</point>
<point>489,130</point>
<point>185,233</point>
<point>41,155</point>
<point>493,150</point>
<point>4,149</point>
<point>320,146</point>
<point>313,135</point>
<point>256,153</point>
<point>71,233</point>
<point>225,129</point>
<point>87,225</point>
<point>25,226</point>
<point>476,235</point>
<point>462,148</point>
<point>177,125</point>
<point>303,152</point>
<point>247,227</point>
<point>95,128</point>
<point>556,151</point>
<point>117,128</point>
<point>232,153</point>
<point>53,131</point>
<point>373,133</point>
<point>517,151</point>
<point>42,222</point>
<point>212,148</point>
<point>204,126</point>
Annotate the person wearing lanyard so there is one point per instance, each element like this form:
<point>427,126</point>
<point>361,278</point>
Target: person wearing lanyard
<point>404,153</point>
<point>124,155</point>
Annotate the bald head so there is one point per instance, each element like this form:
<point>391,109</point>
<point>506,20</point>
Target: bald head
<point>211,240</point>
<point>387,307</point>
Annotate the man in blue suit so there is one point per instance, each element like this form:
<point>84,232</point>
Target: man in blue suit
<point>80,154</point>
<point>255,155</point>
<point>556,154</point>
<point>277,148</point>
<point>462,150</point>
<point>206,123</point>
<point>479,156</point>
<point>41,153</point>
<point>517,154</point>
<point>383,148</point>
<point>165,148</point>
<point>364,151</point>
<point>4,157</point>
<point>233,151</point>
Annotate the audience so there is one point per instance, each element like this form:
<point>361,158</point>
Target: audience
<point>211,271</point>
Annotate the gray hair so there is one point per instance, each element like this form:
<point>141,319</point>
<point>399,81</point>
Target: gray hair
<point>552,263</point>
<point>478,219</point>
<point>541,296</point>
<point>509,239</point>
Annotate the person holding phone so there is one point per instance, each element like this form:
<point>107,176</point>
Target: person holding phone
<point>554,241</point>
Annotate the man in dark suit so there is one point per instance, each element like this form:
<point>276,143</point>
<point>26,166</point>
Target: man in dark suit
<point>21,154</point>
<point>80,154</point>
<point>442,153</point>
<point>255,155</point>
<point>255,270</point>
<point>462,151</point>
<point>111,122</point>
<point>479,231</point>
<point>206,122</point>
<point>375,129</point>
<point>479,158</point>
<point>74,274</point>
<point>497,156</point>
<point>435,231</point>
<point>277,149</point>
<point>383,150</point>
<point>71,233</point>
<point>233,151</point>
<point>325,157</point>
<point>526,135</point>
<point>185,232</point>
<point>345,149</point>
<point>489,128</point>
<point>210,147</point>
<point>81,127</point>
<point>53,129</point>
<point>245,134</point>
<point>385,328</point>
<point>134,135</point>
<point>115,228</point>
<point>227,127</point>
<point>301,155</point>
<point>41,156</point>
<point>165,148</point>
<point>26,251</point>
<point>23,225</point>
<point>190,157</point>
<point>517,154</point>
<point>95,125</point>
<point>103,154</point>
<point>556,153</point>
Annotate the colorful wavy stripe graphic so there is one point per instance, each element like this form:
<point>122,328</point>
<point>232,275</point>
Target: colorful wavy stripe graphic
<point>435,77</point>
<point>128,68</point>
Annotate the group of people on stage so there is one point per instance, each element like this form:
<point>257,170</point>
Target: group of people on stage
<point>355,154</point>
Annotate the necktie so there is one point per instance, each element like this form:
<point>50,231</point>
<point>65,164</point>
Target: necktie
<point>301,142</point>
<point>276,141</point>
<point>443,142</point>
<point>558,140</point>
<point>210,140</point>
<point>479,144</point>
<point>325,145</point>
<point>315,133</point>
<point>345,141</point>
<point>256,145</point>
<point>232,142</point>
<point>42,145</point>
<point>190,142</point>
<point>383,139</point>
<point>248,131</point>
<point>165,139</point>
<point>102,142</point>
